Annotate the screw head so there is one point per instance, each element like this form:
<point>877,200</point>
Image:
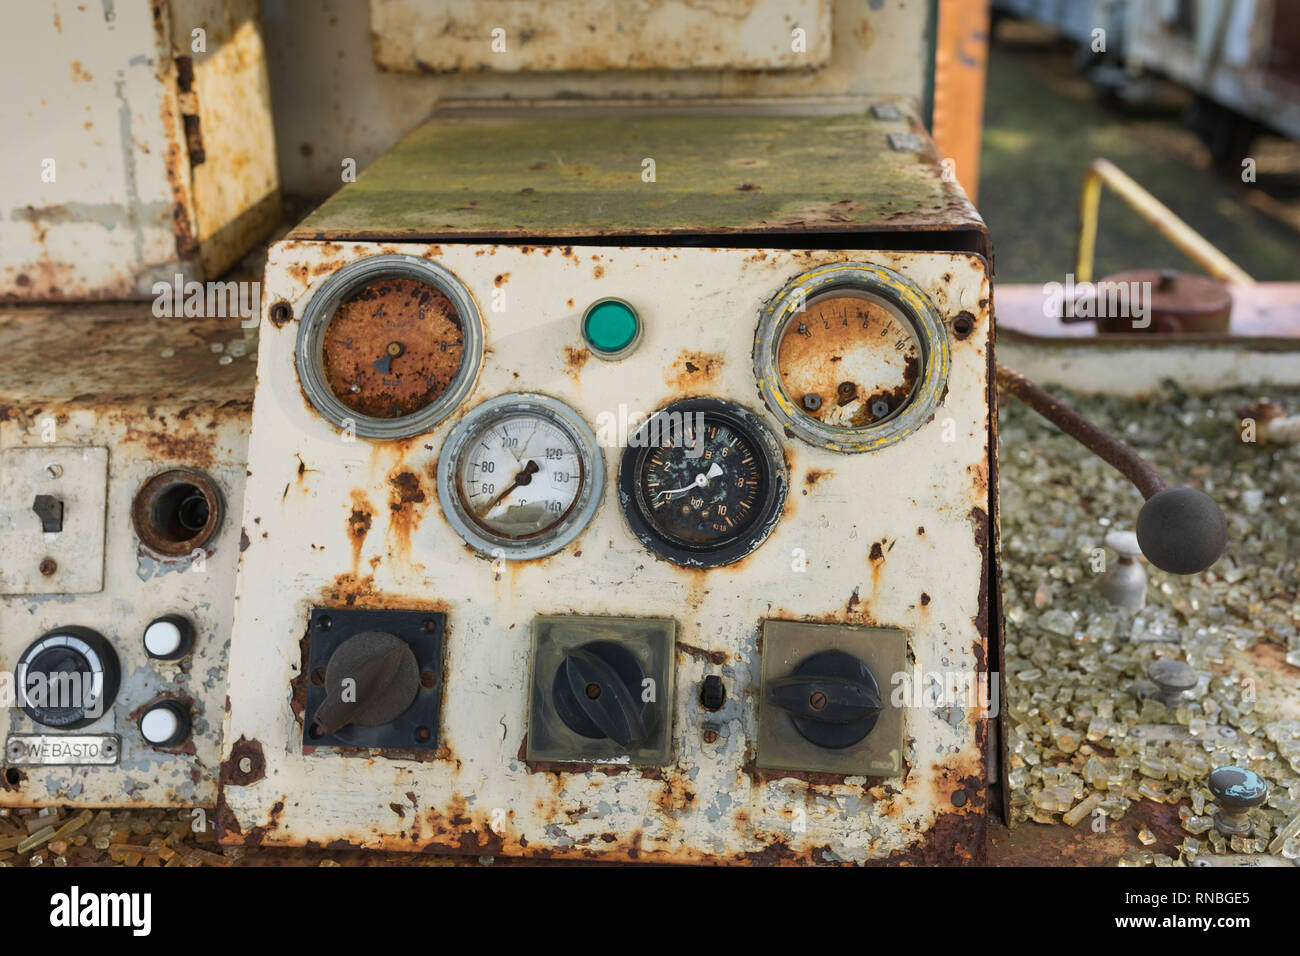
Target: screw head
<point>49,566</point>
<point>54,469</point>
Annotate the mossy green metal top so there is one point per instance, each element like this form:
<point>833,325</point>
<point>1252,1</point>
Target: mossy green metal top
<point>564,170</point>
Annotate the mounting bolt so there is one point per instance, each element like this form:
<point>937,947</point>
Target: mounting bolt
<point>49,566</point>
<point>812,401</point>
<point>1172,679</point>
<point>1125,582</point>
<point>54,469</point>
<point>1237,791</point>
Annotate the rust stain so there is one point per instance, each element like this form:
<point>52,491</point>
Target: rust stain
<point>574,359</point>
<point>702,654</point>
<point>692,369</point>
<point>359,525</point>
<point>407,502</point>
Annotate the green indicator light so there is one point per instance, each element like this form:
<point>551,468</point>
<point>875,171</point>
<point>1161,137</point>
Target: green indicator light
<point>611,328</point>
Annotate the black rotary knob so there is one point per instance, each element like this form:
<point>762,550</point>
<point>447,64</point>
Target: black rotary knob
<point>371,679</point>
<point>597,693</point>
<point>832,699</point>
<point>68,677</point>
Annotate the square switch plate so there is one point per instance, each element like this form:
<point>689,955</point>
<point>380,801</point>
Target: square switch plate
<point>417,727</point>
<point>645,646</point>
<point>78,477</point>
<point>780,745</point>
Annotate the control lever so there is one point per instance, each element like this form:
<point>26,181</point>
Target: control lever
<point>1180,530</point>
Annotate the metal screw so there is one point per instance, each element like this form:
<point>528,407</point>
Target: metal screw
<point>710,736</point>
<point>1172,680</point>
<point>245,765</point>
<point>49,566</point>
<point>817,700</point>
<point>959,798</point>
<point>812,401</point>
<point>54,469</point>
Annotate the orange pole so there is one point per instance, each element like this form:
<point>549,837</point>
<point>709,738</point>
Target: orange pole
<point>960,64</point>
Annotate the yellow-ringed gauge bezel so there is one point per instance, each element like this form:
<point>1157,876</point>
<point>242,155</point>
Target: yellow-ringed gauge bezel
<point>927,328</point>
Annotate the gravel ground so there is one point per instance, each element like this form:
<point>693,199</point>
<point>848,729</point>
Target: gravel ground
<point>1076,666</point>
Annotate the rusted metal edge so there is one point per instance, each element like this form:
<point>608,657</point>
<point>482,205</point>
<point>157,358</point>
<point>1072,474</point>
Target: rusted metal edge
<point>927,234</point>
<point>1256,343</point>
<point>997,622</point>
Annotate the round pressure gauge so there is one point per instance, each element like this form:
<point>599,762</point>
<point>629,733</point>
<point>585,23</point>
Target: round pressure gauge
<point>702,482</point>
<point>520,476</point>
<point>851,357</point>
<point>389,346</point>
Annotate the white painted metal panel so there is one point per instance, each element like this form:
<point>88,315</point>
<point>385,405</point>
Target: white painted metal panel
<point>921,501</point>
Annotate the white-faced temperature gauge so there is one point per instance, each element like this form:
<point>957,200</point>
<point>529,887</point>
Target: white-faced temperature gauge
<point>520,476</point>
<point>851,357</point>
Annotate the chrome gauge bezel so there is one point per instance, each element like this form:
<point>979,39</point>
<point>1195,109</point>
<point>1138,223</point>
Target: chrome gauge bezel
<point>927,328</point>
<point>309,350</point>
<point>575,519</point>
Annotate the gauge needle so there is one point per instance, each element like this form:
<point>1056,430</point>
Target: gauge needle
<point>700,481</point>
<point>524,477</point>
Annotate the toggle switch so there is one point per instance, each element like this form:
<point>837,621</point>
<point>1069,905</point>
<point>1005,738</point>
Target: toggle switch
<point>165,723</point>
<point>713,693</point>
<point>168,638</point>
<point>50,510</point>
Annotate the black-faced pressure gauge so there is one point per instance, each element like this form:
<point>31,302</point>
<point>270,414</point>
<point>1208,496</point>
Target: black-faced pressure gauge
<point>389,346</point>
<point>851,357</point>
<point>702,482</point>
<point>520,476</point>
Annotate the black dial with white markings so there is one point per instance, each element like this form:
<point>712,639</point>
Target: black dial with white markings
<point>702,482</point>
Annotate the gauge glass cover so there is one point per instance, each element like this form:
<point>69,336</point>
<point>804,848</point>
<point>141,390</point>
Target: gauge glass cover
<point>702,482</point>
<point>388,346</point>
<point>851,357</point>
<point>520,476</point>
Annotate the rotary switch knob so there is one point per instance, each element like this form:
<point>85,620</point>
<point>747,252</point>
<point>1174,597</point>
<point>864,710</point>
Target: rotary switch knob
<point>68,677</point>
<point>370,680</point>
<point>597,693</point>
<point>832,699</point>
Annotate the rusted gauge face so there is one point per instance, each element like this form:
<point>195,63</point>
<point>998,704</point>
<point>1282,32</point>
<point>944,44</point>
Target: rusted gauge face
<point>389,346</point>
<point>520,476</point>
<point>851,357</point>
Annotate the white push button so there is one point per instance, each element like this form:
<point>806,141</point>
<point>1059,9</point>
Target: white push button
<point>169,637</point>
<point>162,638</point>
<point>160,725</point>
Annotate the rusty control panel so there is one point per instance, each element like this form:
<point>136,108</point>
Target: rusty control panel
<point>618,484</point>
<point>122,449</point>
